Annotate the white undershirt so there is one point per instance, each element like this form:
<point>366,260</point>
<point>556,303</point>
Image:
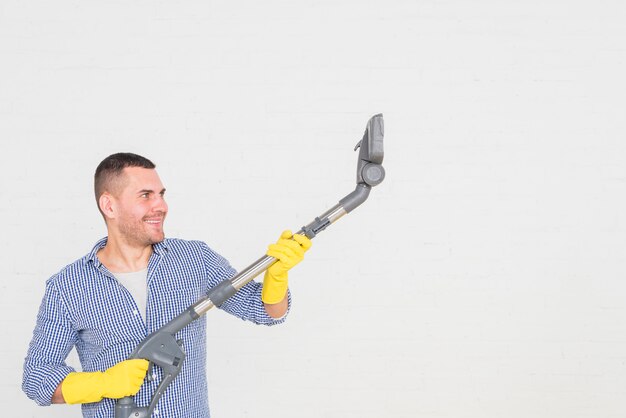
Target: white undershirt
<point>136,283</point>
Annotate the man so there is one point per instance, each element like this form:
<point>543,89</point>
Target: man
<point>131,283</point>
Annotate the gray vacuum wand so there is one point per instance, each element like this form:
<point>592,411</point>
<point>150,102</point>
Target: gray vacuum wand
<point>161,348</point>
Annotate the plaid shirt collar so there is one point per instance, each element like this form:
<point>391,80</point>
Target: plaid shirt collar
<point>160,248</point>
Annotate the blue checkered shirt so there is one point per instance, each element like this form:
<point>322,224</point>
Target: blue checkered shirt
<point>85,307</point>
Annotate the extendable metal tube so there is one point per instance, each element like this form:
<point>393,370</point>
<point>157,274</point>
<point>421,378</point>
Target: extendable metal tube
<point>202,306</point>
<point>249,273</point>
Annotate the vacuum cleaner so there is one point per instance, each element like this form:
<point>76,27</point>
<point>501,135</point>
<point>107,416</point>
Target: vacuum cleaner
<point>162,349</point>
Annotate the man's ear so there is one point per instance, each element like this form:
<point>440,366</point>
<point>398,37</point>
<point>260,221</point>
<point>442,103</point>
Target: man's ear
<point>107,205</point>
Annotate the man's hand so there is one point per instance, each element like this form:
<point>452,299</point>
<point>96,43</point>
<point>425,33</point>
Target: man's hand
<point>123,379</point>
<point>289,250</point>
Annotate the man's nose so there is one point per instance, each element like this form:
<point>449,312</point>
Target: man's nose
<point>159,204</point>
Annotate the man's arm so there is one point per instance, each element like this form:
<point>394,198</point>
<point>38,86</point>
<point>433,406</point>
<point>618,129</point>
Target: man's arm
<point>53,339</point>
<point>57,396</point>
<point>266,303</point>
<point>277,310</point>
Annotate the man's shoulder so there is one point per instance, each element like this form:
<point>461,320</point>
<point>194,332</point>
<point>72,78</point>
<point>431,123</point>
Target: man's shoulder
<point>80,268</point>
<point>70,272</point>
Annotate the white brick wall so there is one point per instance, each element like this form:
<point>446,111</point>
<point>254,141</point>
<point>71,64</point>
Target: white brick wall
<point>483,278</point>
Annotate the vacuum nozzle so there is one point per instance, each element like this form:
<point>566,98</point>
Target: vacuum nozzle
<point>370,170</point>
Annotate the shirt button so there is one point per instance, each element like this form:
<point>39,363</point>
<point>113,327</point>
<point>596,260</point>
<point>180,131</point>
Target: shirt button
<point>136,312</point>
<point>156,412</point>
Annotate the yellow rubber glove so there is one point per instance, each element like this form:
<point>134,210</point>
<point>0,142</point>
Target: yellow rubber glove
<point>289,250</point>
<point>123,379</point>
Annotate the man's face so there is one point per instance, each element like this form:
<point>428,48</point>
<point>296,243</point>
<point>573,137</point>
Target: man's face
<point>140,206</point>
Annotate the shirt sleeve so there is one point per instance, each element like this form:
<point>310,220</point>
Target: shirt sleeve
<point>53,339</point>
<point>246,303</point>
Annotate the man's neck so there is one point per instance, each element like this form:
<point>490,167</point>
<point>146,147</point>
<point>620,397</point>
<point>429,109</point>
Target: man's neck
<point>119,256</point>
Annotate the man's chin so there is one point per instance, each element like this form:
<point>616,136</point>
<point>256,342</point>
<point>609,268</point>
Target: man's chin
<point>156,240</point>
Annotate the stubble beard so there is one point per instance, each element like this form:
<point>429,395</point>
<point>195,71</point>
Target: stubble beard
<point>135,233</point>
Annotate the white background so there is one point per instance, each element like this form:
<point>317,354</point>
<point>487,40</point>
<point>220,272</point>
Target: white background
<point>483,278</point>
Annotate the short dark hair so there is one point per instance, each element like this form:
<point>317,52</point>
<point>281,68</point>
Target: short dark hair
<point>112,166</point>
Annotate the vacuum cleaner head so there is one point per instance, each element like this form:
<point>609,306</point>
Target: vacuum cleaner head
<point>370,170</point>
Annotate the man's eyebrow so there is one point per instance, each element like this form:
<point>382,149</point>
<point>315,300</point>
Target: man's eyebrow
<point>142,191</point>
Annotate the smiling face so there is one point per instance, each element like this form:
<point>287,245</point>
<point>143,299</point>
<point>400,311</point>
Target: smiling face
<point>135,209</point>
